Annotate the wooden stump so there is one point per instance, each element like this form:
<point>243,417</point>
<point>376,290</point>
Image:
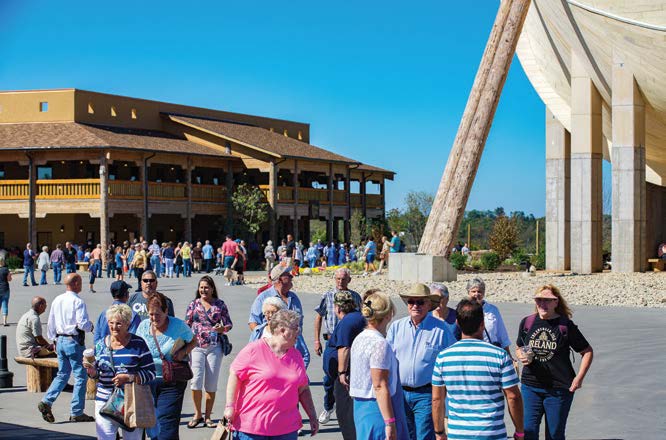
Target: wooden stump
<point>38,378</point>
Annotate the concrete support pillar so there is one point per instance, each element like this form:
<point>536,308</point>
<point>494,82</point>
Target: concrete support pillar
<point>628,158</point>
<point>347,226</point>
<point>329,220</point>
<point>188,208</point>
<point>272,202</point>
<point>32,194</point>
<point>104,205</point>
<point>558,195</point>
<point>296,196</point>
<point>586,157</point>
<point>230,190</point>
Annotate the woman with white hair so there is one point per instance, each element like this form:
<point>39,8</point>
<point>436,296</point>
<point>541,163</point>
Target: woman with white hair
<point>43,264</point>
<point>442,311</point>
<point>270,307</point>
<point>267,381</point>
<point>120,358</point>
<point>495,330</point>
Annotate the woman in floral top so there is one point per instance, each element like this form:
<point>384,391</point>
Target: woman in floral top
<point>208,317</point>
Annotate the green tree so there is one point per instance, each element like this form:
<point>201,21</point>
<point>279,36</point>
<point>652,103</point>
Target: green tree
<point>358,225</point>
<point>504,237</point>
<point>250,207</point>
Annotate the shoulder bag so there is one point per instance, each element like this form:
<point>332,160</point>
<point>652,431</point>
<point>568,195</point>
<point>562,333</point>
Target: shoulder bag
<point>114,408</point>
<point>173,371</point>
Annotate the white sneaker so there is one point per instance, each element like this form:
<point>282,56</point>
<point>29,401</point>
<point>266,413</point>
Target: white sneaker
<point>325,417</point>
<point>365,274</point>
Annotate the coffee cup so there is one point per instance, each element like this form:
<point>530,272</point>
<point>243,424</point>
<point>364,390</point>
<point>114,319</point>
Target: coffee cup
<point>89,355</point>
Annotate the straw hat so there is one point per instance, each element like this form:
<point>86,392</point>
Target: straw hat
<point>420,290</point>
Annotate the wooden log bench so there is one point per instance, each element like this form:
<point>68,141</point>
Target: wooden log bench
<point>657,264</point>
<point>39,375</point>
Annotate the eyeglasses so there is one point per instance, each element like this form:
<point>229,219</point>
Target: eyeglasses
<point>149,280</point>
<point>418,302</point>
<point>544,299</point>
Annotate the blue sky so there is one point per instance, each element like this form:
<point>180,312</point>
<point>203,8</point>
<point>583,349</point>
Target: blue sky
<point>383,82</point>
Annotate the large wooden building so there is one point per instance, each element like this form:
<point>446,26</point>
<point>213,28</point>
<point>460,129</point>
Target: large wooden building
<point>93,167</point>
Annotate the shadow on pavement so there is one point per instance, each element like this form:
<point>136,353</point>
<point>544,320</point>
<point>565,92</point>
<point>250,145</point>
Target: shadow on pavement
<point>9,430</point>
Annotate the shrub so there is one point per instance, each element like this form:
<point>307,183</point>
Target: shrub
<point>504,236</point>
<point>490,261</point>
<point>539,260</point>
<point>13,262</point>
<point>356,267</point>
<point>476,264</point>
<point>458,260</point>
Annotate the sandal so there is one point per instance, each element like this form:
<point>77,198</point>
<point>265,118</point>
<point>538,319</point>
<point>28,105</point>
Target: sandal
<point>194,423</point>
<point>209,423</point>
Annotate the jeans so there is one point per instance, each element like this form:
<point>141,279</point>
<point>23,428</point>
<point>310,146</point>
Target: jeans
<point>168,265</point>
<point>110,269</point>
<point>228,261</point>
<point>237,435</point>
<point>344,411</point>
<point>208,263</point>
<point>98,265</point>
<point>29,270</point>
<point>155,264</point>
<point>70,267</point>
<point>94,269</point>
<point>57,273</point>
<point>70,359</point>
<point>178,268</point>
<point>329,397</point>
<point>313,263</point>
<point>4,303</point>
<point>43,281</point>
<point>139,272</point>
<point>555,403</point>
<point>168,406</point>
<point>418,409</point>
<point>187,267</point>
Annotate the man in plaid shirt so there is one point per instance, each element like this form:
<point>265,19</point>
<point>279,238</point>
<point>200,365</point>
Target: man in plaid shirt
<point>326,312</point>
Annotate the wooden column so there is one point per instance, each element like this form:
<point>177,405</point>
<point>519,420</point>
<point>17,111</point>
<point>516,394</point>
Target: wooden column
<point>449,205</point>
<point>146,214</point>
<point>329,220</point>
<point>32,193</point>
<point>347,228</point>
<point>104,205</point>
<point>230,191</point>
<point>188,208</point>
<point>364,200</point>
<point>272,201</point>
<point>382,193</point>
<point>296,185</point>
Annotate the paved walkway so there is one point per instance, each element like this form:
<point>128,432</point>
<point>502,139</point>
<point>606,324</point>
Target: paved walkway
<point>623,397</point>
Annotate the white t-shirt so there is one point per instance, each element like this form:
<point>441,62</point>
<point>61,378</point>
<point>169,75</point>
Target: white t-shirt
<point>371,350</point>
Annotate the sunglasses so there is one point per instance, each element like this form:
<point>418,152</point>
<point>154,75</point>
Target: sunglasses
<point>418,302</point>
<point>149,280</point>
<point>544,299</point>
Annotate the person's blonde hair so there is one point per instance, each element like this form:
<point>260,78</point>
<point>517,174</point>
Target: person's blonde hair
<point>2,261</point>
<point>122,311</point>
<point>376,307</point>
<point>562,308</point>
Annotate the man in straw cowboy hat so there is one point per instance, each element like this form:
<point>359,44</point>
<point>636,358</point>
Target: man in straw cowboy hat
<point>417,340</point>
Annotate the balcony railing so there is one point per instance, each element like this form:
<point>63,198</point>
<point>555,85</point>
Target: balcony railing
<point>285,194</point>
<point>54,189</point>
<point>14,190</point>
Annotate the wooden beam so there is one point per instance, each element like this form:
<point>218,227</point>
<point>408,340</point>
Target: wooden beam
<point>104,205</point>
<point>458,178</point>
<point>272,200</point>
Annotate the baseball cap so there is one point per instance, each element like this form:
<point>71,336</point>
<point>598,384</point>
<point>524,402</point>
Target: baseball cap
<point>119,288</point>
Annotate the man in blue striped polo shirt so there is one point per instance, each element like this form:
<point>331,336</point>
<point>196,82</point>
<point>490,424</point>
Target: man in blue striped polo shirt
<point>475,376</point>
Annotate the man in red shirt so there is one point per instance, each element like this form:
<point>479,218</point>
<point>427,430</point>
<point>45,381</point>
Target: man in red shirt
<point>229,249</point>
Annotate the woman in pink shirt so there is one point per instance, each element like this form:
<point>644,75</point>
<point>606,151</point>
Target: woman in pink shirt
<point>267,381</point>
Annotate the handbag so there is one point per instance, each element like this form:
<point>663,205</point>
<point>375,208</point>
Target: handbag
<point>114,408</point>
<point>139,406</point>
<point>222,431</point>
<point>173,371</point>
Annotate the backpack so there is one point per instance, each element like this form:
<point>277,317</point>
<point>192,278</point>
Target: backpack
<point>562,324</point>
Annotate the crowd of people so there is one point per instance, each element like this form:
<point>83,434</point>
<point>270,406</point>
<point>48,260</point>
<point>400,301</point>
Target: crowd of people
<point>440,372</point>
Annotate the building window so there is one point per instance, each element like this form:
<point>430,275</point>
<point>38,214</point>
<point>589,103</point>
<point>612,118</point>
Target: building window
<point>91,109</point>
<point>133,111</point>
<point>2,172</point>
<point>197,179</point>
<point>113,112</point>
<point>300,135</point>
<point>271,129</point>
<point>285,133</point>
<point>216,181</point>
<point>43,107</point>
<point>44,173</point>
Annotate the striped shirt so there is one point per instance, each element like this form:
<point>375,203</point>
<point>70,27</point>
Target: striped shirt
<point>134,358</point>
<point>475,373</point>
